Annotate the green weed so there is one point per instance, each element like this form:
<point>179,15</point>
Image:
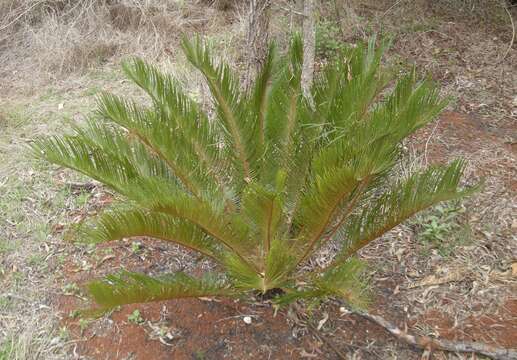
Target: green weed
<point>135,317</point>
<point>441,228</point>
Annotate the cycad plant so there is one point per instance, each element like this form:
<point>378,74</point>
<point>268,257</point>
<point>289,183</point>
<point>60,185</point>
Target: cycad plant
<point>265,180</point>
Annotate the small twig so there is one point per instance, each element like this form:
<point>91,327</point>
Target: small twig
<point>429,344</point>
<point>77,186</point>
<point>513,33</point>
<point>428,140</point>
<point>21,14</point>
<point>290,9</point>
<point>390,8</point>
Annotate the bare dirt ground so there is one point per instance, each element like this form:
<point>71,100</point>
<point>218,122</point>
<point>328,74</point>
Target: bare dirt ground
<point>450,272</point>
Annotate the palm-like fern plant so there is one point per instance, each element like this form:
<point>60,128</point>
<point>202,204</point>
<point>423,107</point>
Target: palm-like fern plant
<point>265,182</point>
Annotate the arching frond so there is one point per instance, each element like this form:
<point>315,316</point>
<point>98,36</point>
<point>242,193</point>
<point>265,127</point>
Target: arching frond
<point>262,211</point>
<point>228,229</point>
<point>130,288</point>
<point>158,137</point>
<point>119,224</point>
<point>261,94</point>
<point>345,281</point>
<point>195,136</point>
<point>224,87</point>
<point>74,153</point>
<point>404,199</point>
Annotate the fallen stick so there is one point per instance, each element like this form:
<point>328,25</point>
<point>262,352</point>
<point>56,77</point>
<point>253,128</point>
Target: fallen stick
<point>429,344</point>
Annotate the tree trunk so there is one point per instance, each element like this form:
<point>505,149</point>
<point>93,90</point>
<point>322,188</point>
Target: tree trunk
<point>257,38</point>
<point>309,43</point>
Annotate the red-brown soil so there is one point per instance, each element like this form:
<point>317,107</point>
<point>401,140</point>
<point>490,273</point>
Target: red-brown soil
<point>499,329</point>
<point>198,330</point>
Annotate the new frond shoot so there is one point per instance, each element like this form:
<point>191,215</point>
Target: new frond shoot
<point>266,181</point>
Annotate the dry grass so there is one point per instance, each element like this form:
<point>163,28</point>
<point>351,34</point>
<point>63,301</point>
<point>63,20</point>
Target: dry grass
<point>44,40</point>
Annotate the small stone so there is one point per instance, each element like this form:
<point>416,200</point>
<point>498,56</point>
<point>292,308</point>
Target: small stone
<point>56,340</point>
<point>247,320</point>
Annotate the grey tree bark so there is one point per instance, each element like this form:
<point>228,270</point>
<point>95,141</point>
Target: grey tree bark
<point>309,44</point>
<point>257,37</point>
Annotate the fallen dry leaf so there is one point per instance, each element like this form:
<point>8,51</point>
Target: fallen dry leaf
<point>434,280</point>
<point>305,354</point>
<point>323,321</point>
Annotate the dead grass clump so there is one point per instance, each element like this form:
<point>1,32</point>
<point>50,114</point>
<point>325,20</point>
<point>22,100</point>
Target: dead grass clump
<point>124,17</point>
<point>168,19</point>
<point>64,48</point>
<point>223,5</point>
<point>42,39</point>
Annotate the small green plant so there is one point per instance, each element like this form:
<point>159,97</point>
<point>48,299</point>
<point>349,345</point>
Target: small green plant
<point>136,247</point>
<point>262,184</point>
<point>74,314</point>
<point>440,227</point>
<point>5,302</point>
<point>64,334</point>
<point>83,324</point>
<point>328,39</point>
<point>135,317</point>
<point>71,289</point>
<point>6,350</point>
<point>36,260</point>
<point>6,247</point>
<point>440,222</point>
<point>199,355</point>
<point>82,198</point>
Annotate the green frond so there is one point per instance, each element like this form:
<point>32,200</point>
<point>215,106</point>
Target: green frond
<point>113,170</point>
<point>119,224</point>
<point>261,94</point>
<point>224,86</point>
<point>279,262</point>
<point>354,81</point>
<point>228,229</point>
<point>130,288</point>
<point>165,92</point>
<point>328,190</point>
<point>159,138</point>
<point>195,136</point>
<point>403,200</point>
<point>262,211</point>
<point>295,56</point>
<point>286,140</point>
<point>293,295</point>
<point>410,106</point>
<point>346,281</point>
<point>242,275</point>
<point>115,141</point>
